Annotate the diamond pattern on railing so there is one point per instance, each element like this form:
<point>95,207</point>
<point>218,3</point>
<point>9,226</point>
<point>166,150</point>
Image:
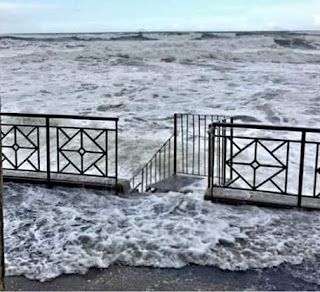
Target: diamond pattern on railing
<point>20,147</point>
<point>263,160</point>
<point>82,151</point>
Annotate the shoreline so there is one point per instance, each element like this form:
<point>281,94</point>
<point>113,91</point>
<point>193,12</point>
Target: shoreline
<point>190,278</point>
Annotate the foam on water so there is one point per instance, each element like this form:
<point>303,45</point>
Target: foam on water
<point>51,232</point>
<point>145,82</point>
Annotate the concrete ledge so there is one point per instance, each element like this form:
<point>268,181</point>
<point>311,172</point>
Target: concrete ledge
<point>263,199</point>
<point>122,185</point>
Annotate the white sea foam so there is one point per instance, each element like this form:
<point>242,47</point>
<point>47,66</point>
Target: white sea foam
<point>51,232</point>
<point>246,75</point>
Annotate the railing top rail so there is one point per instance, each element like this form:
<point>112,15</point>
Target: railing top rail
<point>208,115</point>
<point>266,127</point>
<point>52,116</point>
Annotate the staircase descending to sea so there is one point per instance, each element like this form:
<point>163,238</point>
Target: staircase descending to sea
<point>182,159</point>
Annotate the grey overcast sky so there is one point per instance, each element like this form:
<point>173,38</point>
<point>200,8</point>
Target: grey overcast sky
<point>35,16</point>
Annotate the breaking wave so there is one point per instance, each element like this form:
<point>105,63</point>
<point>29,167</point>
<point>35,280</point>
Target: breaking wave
<point>77,38</point>
<point>210,36</point>
<point>295,43</point>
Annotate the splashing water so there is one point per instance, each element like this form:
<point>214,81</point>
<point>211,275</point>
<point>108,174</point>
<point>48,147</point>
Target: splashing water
<point>62,231</point>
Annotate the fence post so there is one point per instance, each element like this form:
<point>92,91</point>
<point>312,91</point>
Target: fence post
<point>48,151</point>
<point>2,265</point>
<point>224,152</point>
<point>116,158</point>
<point>302,151</point>
<point>231,148</point>
<point>212,133</point>
<point>175,146</point>
<point>209,158</point>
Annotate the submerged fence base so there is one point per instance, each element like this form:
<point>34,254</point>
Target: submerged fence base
<point>97,183</point>
<point>262,199</point>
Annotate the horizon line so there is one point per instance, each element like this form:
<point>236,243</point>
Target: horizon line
<point>167,31</point>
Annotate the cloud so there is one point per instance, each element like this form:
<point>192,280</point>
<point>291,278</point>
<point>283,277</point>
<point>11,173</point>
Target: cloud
<point>6,6</point>
<point>22,17</point>
<point>101,15</point>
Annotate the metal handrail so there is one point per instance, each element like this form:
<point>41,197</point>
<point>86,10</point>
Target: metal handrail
<point>265,127</point>
<point>145,174</point>
<point>54,116</point>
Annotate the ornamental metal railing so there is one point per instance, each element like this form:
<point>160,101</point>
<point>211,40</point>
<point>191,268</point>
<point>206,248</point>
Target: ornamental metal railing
<point>191,143</point>
<point>270,159</point>
<point>185,152</point>
<point>60,148</point>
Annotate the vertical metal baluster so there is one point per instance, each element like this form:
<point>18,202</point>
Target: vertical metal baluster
<point>212,158</point>
<point>38,146</point>
<point>182,145</point>
<point>231,149</point>
<point>15,150</point>
<point>302,151</point>
<point>169,159</point>
<point>193,143</point>
<point>209,160</point>
<point>175,145</point>
<point>48,151</point>
<point>213,153</point>
<point>142,180</point>
<point>255,159</point>
<point>81,147</point>
<point>159,164</point>
<point>199,141</point>
<point>205,143</point>
<point>315,171</point>
<point>187,146</point>
<point>107,152</point>
<point>164,158</point>
<point>148,174</point>
<point>218,155</point>
<point>224,154</point>
<point>58,146</point>
<point>155,168</point>
<point>287,168</point>
<point>116,142</point>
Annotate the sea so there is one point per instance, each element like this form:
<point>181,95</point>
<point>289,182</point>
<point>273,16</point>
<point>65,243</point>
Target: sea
<point>143,79</point>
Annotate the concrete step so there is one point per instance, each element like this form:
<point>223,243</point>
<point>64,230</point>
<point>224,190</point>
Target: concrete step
<point>175,183</point>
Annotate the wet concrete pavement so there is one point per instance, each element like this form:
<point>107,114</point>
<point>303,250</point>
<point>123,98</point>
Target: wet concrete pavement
<point>191,278</point>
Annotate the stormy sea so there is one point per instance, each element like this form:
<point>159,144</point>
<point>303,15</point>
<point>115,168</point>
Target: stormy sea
<point>143,78</point>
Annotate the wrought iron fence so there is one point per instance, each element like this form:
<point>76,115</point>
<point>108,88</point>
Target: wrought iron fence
<point>185,152</point>
<point>75,149</point>
<point>271,159</point>
<point>191,154</point>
